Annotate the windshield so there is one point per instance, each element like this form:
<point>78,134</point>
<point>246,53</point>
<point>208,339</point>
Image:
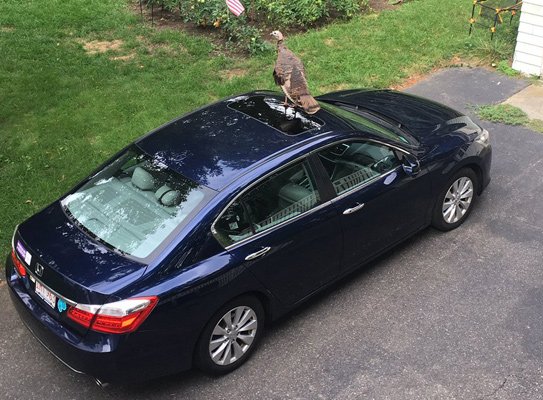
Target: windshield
<point>364,122</point>
<point>134,203</point>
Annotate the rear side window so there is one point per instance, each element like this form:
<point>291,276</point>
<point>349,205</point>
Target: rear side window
<point>278,198</point>
<point>352,164</point>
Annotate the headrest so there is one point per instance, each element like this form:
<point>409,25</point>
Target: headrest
<point>143,179</point>
<point>167,196</point>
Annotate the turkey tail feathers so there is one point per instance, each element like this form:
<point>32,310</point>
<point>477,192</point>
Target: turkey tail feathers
<point>309,104</point>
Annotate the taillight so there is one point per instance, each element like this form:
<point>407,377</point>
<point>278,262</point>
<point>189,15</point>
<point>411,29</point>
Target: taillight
<point>21,270</point>
<point>82,314</point>
<point>122,316</point>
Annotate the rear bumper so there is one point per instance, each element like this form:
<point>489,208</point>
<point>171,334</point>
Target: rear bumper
<point>63,344</point>
<point>109,358</point>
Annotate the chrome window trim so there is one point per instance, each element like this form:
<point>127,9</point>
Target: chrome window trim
<point>318,207</point>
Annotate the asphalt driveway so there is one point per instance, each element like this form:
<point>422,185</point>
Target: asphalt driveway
<point>446,316</point>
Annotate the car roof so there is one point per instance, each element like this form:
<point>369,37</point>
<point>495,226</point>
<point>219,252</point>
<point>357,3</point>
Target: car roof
<point>217,143</point>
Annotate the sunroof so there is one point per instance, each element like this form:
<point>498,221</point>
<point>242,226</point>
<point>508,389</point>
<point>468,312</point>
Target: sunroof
<point>271,111</point>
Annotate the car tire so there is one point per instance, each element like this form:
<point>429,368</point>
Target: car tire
<point>223,347</point>
<point>456,200</point>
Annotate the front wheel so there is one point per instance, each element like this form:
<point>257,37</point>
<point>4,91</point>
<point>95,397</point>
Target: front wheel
<point>455,202</point>
<point>230,336</point>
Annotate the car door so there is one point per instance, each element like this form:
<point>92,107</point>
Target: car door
<point>378,203</point>
<point>283,231</point>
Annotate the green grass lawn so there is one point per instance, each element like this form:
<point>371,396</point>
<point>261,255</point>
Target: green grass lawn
<point>63,111</point>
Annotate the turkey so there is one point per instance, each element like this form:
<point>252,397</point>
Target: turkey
<point>290,75</point>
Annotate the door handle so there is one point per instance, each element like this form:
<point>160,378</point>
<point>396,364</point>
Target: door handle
<point>353,209</point>
<point>258,253</point>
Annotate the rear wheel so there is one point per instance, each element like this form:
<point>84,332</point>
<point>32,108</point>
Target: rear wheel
<point>230,336</point>
<point>455,202</point>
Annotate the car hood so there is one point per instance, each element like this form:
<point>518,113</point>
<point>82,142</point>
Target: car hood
<point>421,117</point>
<point>74,265</point>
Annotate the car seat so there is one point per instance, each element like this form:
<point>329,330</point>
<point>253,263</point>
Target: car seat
<point>142,179</point>
<point>167,196</point>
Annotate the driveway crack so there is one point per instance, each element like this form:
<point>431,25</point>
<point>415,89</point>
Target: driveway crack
<point>500,386</point>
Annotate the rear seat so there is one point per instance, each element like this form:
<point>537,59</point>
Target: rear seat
<point>293,200</point>
<point>144,181</point>
<point>164,195</point>
<point>291,193</point>
<point>167,196</point>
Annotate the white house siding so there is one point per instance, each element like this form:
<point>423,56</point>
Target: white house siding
<point>529,50</point>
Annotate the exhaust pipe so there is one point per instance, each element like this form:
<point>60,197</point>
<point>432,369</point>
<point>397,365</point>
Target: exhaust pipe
<point>101,384</point>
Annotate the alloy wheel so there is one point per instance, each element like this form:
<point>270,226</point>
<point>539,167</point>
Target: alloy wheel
<point>233,335</point>
<point>457,200</point>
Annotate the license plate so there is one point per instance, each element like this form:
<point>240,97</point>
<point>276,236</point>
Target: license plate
<point>46,295</point>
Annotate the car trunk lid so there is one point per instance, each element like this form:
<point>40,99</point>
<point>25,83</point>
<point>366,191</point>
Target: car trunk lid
<point>69,262</point>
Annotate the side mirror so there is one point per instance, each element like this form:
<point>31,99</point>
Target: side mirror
<point>410,165</point>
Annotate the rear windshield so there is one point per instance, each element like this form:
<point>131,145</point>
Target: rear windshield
<point>135,203</point>
<point>271,111</point>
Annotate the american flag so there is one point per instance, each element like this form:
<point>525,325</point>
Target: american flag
<point>235,7</point>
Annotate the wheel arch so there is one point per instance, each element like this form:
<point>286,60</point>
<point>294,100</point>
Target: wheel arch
<point>478,172</point>
<point>466,168</point>
<point>265,301</point>
<point>262,298</point>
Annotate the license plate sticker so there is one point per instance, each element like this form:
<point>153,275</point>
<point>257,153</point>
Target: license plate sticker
<point>46,295</point>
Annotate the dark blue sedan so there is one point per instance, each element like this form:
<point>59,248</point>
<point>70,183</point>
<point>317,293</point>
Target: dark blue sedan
<point>183,246</point>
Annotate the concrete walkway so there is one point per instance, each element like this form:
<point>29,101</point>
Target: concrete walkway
<point>530,100</point>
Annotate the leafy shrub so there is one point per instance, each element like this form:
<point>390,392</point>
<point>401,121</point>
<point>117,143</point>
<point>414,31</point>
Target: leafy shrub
<point>203,12</point>
<point>286,13</point>
<point>348,9</point>
<point>280,13</point>
<point>245,36</point>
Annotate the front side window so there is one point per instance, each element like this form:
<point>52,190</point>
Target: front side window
<point>134,203</point>
<point>352,164</point>
<point>278,198</point>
